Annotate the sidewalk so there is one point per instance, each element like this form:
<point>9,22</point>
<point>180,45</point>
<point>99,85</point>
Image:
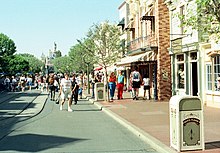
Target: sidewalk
<point>149,120</point>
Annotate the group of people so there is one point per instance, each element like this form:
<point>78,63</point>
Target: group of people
<point>136,80</point>
<point>69,89</point>
<point>16,83</point>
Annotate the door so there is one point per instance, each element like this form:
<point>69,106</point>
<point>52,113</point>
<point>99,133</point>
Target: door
<point>194,83</point>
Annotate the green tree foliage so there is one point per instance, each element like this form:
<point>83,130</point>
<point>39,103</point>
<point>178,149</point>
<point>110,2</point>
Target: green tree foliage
<point>58,54</point>
<point>76,53</point>
<point>107,44</point>
<point>7,46</point>
<point>7,49</point>
<point>62,64</point>
<point>206,19</point>
<point>15,64</point>
<point>82,55</point>
<point>35,64</point>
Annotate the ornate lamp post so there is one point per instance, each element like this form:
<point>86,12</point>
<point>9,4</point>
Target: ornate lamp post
<point>87,61</point>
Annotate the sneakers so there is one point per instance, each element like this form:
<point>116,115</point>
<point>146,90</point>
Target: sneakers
<point>69,109</point>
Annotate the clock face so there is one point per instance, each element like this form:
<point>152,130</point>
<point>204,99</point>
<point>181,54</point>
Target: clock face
<point>191,132</point>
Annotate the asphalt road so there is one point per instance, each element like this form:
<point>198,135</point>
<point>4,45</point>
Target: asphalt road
<point>85,130</point>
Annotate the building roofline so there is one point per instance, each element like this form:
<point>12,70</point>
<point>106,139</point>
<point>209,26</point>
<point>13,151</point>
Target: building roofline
<point>123,3</point>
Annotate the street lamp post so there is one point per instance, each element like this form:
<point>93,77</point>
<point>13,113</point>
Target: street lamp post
<point>87,62</point>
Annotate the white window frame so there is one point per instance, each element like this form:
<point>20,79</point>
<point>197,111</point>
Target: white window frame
<point>177,71</point>
<point>216,72</point>
<point>208,76</point>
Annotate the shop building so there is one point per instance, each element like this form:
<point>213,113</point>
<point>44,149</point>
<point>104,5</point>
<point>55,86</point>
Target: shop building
<point>210,61</point>
<point>146,38</point>
<point>184,52</point>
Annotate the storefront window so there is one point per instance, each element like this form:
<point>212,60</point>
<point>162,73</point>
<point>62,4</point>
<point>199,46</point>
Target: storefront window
<point>180,72</point>
<point>217,72</point>
<point>208,77</point>
<point>193,56</point>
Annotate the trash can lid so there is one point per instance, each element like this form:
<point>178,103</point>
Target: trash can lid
<point>186,102</point>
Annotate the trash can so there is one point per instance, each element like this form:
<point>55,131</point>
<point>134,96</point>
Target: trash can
<point>186,123</point>
<point>99,91</point>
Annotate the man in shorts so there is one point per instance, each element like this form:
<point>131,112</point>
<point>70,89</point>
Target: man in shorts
<point>66,92</point>
<point>136,82</point>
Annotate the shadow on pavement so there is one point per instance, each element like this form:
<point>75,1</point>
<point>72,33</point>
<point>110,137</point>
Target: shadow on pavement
<point>212,145</point>
<point>34,142</point>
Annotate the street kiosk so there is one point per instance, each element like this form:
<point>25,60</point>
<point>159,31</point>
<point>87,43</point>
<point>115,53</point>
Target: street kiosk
<point>186,123</point>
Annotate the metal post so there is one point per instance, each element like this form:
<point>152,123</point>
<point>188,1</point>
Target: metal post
<point>88,83</point>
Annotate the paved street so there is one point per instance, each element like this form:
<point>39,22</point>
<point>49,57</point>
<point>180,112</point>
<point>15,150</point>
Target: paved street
<point>87,129</point>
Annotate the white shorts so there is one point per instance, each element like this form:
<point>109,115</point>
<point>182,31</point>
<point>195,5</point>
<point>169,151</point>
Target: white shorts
<point>66,93</point>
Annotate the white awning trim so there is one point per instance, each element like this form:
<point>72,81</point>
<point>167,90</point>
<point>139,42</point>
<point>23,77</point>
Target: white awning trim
<point>147,56</point>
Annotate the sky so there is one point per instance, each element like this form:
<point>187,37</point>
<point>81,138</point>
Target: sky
<point>34,25</point>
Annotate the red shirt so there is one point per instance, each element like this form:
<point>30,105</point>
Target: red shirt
<point>112,79</point>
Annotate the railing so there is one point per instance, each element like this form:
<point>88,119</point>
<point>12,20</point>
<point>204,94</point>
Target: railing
<point>141,42</point>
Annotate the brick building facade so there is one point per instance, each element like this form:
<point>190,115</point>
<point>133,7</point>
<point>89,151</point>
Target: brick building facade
<point>147,29</point>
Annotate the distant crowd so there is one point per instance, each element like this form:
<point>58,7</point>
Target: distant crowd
<point>71,85</point>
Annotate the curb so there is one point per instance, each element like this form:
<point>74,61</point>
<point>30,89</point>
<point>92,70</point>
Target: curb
<point>153,142</point>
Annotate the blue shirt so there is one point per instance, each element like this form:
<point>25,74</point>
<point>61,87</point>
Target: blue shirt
<point>120,79</point>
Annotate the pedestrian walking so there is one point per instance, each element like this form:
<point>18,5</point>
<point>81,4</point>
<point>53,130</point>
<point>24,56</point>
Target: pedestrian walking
<point>13,83</point>
<point>29,82</point>
<point>66,91</point>
<point>146,82</point>
<point>42,82</point>
<point>112,84</point>
<point>120,84</point>
<point>130,87</point>
<point>80,83</point>
<point>7,83</point>
<point>22,82</point>
<point>47,82</point>
<point>75,88</point>
<point>136,82</point>
<point>51,87</point>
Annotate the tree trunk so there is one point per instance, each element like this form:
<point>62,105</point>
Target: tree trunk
<point>106,85</point>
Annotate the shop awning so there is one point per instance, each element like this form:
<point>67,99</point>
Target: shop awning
<point>147,56</point>
<point>213,53</point>
<point>98,68</point>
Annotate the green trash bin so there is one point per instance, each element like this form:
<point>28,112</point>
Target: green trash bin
<point>186,123</point>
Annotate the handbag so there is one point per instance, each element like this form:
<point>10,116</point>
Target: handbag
<point>124,88</point>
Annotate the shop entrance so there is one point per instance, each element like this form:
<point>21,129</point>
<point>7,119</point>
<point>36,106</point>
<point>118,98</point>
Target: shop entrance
<point>150,68</point>
<point>194,79</point>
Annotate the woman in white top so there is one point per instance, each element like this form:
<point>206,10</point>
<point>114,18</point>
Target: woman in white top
<point>66,92</point>
<point>146,82</point>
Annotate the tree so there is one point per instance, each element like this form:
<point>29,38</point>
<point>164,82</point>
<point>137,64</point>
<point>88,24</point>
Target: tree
<point>16,63</point>
<point>7,46</point>
<point>35,64</point>
<point>75,54</point>
<point>7,49</point>
<point>206,19</point>
<point>62,64</point>
<point>58,54</point>
<point>106,41</point>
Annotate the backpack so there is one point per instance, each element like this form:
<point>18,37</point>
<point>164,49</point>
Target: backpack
<point>136,76</point>
<point>51,81</point>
